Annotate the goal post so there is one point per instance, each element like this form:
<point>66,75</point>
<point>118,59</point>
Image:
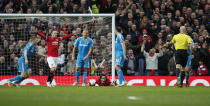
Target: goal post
<point>21,26</point>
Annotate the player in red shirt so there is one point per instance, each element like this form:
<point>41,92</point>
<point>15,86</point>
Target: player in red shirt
<point>52,52</point>
<point>103,81</point>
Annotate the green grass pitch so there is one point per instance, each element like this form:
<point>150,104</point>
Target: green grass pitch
<point>104,96</point>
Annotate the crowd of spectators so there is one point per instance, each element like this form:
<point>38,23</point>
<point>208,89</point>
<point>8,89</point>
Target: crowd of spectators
<point>148,23</point>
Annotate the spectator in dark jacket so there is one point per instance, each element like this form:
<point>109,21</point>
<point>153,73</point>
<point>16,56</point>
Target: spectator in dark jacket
<point>163,62</point>
<point>172,66</point>
<point>108,7</point>
<point>131,62</point>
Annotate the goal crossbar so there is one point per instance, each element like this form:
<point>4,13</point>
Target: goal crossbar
<point>56,15</point>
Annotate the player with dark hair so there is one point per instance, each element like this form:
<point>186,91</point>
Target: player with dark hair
<point>85,47</point>
<point>23,62</point>
<point>120,55</point>
<point>102,81</point>
<point>52,52</point>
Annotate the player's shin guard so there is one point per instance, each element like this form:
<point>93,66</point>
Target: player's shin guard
<point>119,72</point>
<point>181,75</point>
<point>19,80</point>
<point>180,81</point>
<point>84,77</point>
<point>177,72</point>
<point>187,78</point>
<point>15,78</point>
<point>77,76</point>
<point>122,76</point>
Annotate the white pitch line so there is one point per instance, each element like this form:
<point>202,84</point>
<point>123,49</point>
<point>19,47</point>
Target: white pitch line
<point>134,98</point>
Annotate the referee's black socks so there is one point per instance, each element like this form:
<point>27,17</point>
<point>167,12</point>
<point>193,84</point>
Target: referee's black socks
<point>178,77</point>
<point>177,72</point>
<point>182,76</point>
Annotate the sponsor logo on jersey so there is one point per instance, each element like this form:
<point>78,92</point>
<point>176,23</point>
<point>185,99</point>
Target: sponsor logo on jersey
<point>55,43</point>
<point>83,45</point>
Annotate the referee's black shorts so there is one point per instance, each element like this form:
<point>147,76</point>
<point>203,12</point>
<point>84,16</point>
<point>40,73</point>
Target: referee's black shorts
<point>181,57</point>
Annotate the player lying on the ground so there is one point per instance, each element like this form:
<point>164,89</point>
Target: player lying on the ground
<point>23,62</point>
<point>103,81</point>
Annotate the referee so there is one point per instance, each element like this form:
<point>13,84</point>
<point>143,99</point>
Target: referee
<point>181,42</point>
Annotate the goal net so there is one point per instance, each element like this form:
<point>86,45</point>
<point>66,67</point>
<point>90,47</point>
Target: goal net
<point>16,30</point>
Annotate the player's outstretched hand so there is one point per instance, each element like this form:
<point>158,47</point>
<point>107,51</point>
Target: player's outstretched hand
<point>74,32</point>
<point>114,83</point>
<point>85,58</point>
<point>77,31</point>
<point>91,84</point>
<point>44,56</point>
<point>26,61</point>
<point>125,58</point>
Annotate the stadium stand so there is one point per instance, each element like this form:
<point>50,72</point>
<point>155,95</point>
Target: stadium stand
<point>158,19</point>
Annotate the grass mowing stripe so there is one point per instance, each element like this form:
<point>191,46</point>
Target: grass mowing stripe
<point>103,96</point>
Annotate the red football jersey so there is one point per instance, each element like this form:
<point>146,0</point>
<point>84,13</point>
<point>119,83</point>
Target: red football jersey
<point>53,44</point>
<point>107,83</point>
